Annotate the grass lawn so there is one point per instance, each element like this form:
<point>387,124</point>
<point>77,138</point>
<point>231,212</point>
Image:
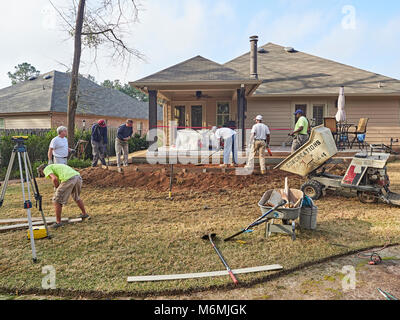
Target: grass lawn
<point>138,232</point>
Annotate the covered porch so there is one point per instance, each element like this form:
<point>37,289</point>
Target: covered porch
<point>197,95</point>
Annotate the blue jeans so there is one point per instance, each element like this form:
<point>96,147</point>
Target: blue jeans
<point>230,145</point>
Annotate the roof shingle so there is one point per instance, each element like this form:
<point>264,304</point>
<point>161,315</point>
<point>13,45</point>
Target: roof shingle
<point>196,69</point>
<point>51,95</point>
<point>298,73</point>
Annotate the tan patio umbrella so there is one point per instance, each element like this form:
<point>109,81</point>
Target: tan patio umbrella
<point>341,114</point>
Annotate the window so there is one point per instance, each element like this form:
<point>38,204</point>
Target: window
<point>223,113</point>
<point>318,114</point>
<point>2,126</point>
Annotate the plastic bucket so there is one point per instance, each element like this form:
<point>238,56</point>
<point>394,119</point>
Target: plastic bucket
<point>308,218</point>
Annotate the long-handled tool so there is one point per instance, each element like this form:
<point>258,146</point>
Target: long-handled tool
<point>387,295</point>
<point>171,177</point>
<point>210,236</point>
<point>258,221</point>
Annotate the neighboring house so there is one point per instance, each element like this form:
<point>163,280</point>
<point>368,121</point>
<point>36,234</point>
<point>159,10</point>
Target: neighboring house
<point>42,103</point>
<point>202,93</point>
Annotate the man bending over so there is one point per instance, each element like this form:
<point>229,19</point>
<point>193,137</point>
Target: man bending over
<point>67,182</point>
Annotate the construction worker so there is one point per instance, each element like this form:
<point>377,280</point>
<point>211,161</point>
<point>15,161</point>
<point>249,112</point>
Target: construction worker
<point>124,134</point>
<point>300,132</point>
<point>67,182</point>
<point>58,149</point>
<point>230,144</point>
<point>99,142</point>
<point>259,141</point>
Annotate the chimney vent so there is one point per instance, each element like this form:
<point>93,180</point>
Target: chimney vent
<point>253,57</point>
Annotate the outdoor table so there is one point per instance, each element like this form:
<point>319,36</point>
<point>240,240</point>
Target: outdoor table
<point>343,135</point>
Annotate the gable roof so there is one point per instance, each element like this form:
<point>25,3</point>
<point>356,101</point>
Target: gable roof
<point>298,73</point>
<point>51,95</point>
<point>196,69</point>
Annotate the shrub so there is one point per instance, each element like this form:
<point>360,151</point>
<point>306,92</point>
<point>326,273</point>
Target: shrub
<point>138,143</point>
<point>79,164</point>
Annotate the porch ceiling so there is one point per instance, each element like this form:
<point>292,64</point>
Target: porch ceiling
<point>188,91</point>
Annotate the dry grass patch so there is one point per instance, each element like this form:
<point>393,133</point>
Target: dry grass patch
<point>139,232</point>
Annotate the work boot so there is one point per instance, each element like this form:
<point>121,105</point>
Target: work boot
<point>263,172</point>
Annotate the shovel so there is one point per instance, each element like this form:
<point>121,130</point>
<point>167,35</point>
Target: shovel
<point>258,221</point>
<point>210,236</point>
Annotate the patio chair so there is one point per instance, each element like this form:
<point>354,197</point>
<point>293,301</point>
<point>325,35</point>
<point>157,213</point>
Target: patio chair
<point>332,125</point>
<point>359,133</point>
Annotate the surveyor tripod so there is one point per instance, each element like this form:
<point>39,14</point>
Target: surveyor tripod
<point>23,160</point>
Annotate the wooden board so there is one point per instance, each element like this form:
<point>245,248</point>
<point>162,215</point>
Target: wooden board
<point>22,220</point>
<point>26,225</point>
<point>274,267</point>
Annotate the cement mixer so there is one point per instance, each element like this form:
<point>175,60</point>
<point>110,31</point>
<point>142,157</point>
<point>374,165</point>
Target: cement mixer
<point>366,174</point>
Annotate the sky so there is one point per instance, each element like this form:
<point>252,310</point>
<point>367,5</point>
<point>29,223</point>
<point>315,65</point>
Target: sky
<point>361,33</point>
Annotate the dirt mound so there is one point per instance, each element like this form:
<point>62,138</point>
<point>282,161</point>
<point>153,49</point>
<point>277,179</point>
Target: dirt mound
<point>157,179</point>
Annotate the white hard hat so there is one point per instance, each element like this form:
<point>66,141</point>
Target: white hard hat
<point>259,117</point>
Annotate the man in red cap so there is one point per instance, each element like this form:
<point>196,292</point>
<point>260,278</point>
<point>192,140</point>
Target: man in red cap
<point>99,142</point>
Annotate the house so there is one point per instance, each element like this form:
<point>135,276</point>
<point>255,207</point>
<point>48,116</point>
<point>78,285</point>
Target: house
<point>41,103</point>
<point>273,81</point>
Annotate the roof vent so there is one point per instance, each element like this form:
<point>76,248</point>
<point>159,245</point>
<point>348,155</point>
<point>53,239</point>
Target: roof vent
<point>32,78</point>
<point>47,77</point>
<point>290,49</point>
<point>262,50</point>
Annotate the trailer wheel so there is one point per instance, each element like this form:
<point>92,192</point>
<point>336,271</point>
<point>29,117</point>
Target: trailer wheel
<point>312,189</point>
<point>367,197</point>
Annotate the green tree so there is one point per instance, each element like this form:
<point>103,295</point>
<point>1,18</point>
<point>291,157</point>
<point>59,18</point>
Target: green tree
<point>22,72</point>
<point>125,88</point>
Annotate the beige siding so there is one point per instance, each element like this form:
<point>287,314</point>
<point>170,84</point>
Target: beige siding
<point>27,122</point>
<point>277,115</point>
<point>384,115</point>
<point>381,112</point>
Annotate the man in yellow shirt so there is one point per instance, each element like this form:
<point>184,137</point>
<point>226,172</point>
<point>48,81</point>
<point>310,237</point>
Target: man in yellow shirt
<point>67,182</point>
<point>300,132</point>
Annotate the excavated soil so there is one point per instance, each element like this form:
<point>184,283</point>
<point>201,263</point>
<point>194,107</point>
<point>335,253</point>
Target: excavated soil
<point>158,179</point>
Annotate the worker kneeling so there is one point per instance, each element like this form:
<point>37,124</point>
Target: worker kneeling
<point>67,182</point>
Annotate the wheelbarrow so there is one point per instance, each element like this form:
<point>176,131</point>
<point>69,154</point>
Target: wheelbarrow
<point>287,215</point>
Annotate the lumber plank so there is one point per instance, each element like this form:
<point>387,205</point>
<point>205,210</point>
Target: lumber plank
<point>22,220</point>
<point>274,267</point>
<point>26,225</point>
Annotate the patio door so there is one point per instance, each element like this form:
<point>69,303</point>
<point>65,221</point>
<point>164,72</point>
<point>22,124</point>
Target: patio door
<point>180,116</point>
<point>196,117</point>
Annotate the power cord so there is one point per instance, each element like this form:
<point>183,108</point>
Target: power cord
<point>374,257</point>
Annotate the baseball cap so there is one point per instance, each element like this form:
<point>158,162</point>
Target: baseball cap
<point>259,117</point>
<point>299,111</point>
<point>102,123</point>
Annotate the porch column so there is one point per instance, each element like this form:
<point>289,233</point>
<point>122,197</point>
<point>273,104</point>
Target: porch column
<point>241,103</point>
<point>152,115</point>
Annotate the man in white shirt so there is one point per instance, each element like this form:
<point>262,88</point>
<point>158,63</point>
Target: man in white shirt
<point>230,145</point>
<point>58,149</point>
<point>259,141</point>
